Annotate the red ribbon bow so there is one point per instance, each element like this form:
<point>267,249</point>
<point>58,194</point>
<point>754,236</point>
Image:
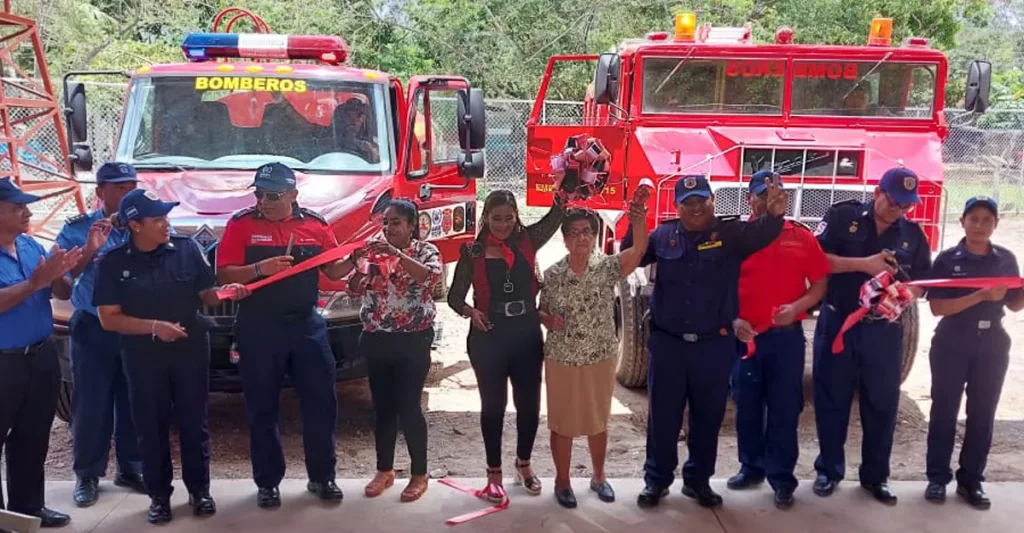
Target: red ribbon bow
<point>492,491</point>
<point>506,250</point>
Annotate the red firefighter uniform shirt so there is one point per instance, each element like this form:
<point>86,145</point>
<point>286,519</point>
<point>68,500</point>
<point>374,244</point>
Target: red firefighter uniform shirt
<point>249,238</point>
<point>779,274</point>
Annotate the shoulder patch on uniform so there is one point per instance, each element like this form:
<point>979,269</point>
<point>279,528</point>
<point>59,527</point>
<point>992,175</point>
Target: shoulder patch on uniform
<point>244,212</point>
<point>821,227</point>
<point>76,219</point>
<point>313,214</point>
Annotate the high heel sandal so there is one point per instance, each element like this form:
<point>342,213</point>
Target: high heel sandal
<point>530,484</point>
<point>494,492</point>
<point>415,489</point>
<point>381,481</point>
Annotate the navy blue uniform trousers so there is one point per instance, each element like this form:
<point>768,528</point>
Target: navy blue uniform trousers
<point>681,374</point>
<point>100,404</point>
<point>769,395</point>
<point>269,350</point>
<point>168,380</point>
<point>977,360</point>
<point>870,365</point>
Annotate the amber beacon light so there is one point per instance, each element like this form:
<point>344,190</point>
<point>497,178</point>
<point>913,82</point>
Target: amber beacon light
<point>881,32</point>
<point>686,26</point>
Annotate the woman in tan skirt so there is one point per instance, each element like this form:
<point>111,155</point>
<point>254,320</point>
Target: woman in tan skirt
<point>580,350</point>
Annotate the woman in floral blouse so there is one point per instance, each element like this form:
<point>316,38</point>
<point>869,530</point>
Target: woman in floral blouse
<point>576,306</point>
<point>398,328</point>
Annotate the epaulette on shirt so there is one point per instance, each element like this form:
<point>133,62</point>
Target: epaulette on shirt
<point>76,219</point>
<point>851,202</point>
<point>728,218</point>
<point>670,221</point>
<point>244,212</point>
<point>313,214</point>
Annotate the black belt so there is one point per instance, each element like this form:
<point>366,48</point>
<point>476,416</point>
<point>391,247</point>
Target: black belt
<point>696,336</point>
<point>31,349</point>
<point>780,329</point>
<point>514,308</point>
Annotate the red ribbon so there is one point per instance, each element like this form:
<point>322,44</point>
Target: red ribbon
<point>506,250</point>
<point>327,257</point>
<point>965,283</point>
<point>751,347</point>
<point>482,494</point>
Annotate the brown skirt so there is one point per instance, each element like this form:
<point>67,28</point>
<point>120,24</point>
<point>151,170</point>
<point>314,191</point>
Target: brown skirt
<point>579,397</point>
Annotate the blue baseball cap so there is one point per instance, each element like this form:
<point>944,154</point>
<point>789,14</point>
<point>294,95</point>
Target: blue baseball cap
<point>982,201</point>
<point>274,177</point>
<point>688,186</point>
<point>901,184</point>
<point>115,173</point>
<point>759,181</point>
<point>9,192</point>
<point>139,204</point>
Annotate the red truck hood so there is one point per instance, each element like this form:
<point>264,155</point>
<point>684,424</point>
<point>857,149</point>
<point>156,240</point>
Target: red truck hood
<point>213,196</point>
<point>919,151</point>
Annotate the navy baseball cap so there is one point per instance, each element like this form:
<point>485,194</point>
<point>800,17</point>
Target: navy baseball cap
<point>9,192</point>
<point>901,184</point>
<point>982,201</point>
<point>115,173</point>
<point>274,177</point>
<point>759,181</point>
<point>688,186</point>
<point>140,204</point>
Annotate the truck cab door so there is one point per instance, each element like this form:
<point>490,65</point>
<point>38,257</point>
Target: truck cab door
<point>444,132</point>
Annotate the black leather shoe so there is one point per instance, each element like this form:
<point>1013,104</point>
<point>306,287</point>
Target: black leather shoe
<point>87,491</point>
<point>784,498</point>
<point>131,481</point>
<point>823,486</point>
<point>881,492</point>
<point>566,498</point>
<point>268,498</point>
<point>704,495</point>
<point>743,480</point>
<point>202,504</point>
<point>604,491</point>
<point>326,491</point>
<point>975,496</point>
<point>651,496</point>
<point>159,510</point>
<point>50,518</point>
<point>935,493</point>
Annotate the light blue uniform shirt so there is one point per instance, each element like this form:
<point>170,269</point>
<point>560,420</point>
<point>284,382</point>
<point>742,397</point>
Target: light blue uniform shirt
<point>31,321</point>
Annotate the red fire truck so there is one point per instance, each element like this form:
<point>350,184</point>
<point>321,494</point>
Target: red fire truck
<point>710,101</point>
<point>197,130</point>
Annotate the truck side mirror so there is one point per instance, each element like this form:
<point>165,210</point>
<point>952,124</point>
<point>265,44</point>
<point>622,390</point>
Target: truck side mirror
<point>979,81</point>
<point>472,165</point>
<point>74,112</point>
<point>81,156</point>
<point>606,79</point>
<point>472,120</point>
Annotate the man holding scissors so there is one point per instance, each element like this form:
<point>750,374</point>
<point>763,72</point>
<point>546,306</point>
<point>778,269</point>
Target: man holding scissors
<point>279,331</point>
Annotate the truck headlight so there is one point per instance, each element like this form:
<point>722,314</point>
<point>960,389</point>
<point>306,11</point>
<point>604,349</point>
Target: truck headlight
<point>339,306</point>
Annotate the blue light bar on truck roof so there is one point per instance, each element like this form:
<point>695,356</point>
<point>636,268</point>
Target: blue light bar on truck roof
<point>206,46</point>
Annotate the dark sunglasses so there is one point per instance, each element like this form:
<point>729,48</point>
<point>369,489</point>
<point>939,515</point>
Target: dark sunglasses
<point>269,195</point>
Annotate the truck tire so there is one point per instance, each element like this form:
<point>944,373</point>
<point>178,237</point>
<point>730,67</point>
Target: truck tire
<point>64,401</point>
<point>632,324</point>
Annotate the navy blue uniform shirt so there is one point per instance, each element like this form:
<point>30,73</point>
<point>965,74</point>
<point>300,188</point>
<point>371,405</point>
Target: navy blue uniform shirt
<point>163,284</point>
<point>848,230</point>
<point>31,321</point>
<point>957,262</point>
<point>695,286</point>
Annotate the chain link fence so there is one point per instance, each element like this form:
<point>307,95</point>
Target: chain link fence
<point>984,154</point>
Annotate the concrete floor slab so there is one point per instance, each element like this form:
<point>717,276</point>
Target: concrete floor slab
<point>849,510</point>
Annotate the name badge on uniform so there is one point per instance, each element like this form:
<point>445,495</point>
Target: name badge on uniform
<point>709,245</point>
<point>984,324</point>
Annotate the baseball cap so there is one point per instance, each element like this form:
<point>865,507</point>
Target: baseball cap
<point>115,173</point>
<point>759,181</point>
<point>9,192</point>
<point>688,186</point>
<point>901,184</point>
<point>139,204</point>
<point>274,177</point>
<point>982,201</point>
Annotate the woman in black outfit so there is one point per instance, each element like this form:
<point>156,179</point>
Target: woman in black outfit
<point>505,341</point>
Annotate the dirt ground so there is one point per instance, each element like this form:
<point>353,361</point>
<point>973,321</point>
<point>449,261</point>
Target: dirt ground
<point>453,406</point>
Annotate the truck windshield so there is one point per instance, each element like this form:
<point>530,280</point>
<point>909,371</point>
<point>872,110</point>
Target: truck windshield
<point>863,88</point>
<point>691,85</point>
<point>240,122</point>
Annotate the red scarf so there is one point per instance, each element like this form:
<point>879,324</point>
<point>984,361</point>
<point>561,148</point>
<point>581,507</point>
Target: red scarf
<point>506,250</point>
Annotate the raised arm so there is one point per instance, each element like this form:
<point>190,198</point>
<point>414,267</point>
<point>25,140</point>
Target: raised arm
<point>631,258</point>
<point>540,232</point>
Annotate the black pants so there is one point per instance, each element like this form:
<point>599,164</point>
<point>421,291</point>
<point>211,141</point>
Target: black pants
<point>512,351</point>
<point>29,385</point>
<point>976,360</point>
<point>398,364</point>
<point>166,379</point>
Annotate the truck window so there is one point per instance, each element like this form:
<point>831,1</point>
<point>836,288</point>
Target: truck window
<point>693,85</point>
<point>444,126</point>
<point>863,88</point>
<point>241,122</point>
